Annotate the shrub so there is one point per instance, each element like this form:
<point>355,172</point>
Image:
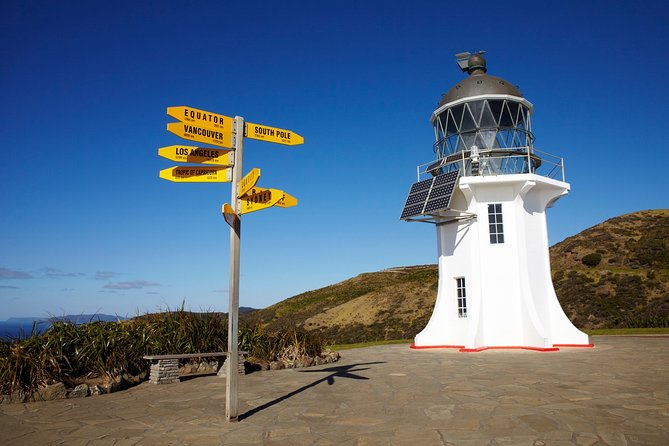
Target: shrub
<point>24,366</point>
<point>270,346</point>
<point>652,250</point>
<point>67,351</point>
<point>646,321</point>
<point>181,331</point>
<point>592,259</point>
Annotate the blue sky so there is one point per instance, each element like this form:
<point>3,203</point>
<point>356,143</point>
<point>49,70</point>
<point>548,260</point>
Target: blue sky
<point>86,225</point>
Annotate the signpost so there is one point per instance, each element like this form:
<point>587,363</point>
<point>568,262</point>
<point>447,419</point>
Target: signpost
<point>195,154</point>
<point>202,118</point>
<point>231,388</point>
<point>261,198</point>
<point>287,201</point>
<point>226,166</point>
<point>247,183</point>
<point>272,134</point>
<point>231,218</point>
<point>200,133</point>
<point>197,174</point>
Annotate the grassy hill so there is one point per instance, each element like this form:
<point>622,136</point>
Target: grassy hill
<point>616,274</point>
<point>624,282</point>
<point>390,304</point>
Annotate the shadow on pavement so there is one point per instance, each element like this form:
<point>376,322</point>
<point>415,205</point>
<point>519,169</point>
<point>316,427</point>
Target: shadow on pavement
<point>343,371</point>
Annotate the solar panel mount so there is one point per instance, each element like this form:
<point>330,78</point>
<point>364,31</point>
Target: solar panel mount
<point>429,196</point>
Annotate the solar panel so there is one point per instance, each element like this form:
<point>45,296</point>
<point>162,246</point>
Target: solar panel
<point>421,186</point>
<point>430,195</point>
<point>412,211</point>
<point>420,197</point>
<point>443,179</point>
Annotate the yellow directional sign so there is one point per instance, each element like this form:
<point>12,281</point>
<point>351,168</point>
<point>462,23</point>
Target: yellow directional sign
<point>197,174</point>
<point>261,198</point>
<point>287,201</point>
<point>195,154</point>
<point>272,134</point>
<point>202,118</point>
<point>247,183</point>
<point>201,133</point>
<point>229,215</point>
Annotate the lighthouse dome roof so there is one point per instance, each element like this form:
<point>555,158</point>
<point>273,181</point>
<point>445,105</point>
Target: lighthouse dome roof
<point>479,84</point>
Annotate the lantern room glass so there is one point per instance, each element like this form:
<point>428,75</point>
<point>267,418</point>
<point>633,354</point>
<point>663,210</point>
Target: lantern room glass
<point>488,124</point>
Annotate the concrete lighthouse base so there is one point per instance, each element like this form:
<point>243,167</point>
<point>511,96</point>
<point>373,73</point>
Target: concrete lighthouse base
<point>495,287</point>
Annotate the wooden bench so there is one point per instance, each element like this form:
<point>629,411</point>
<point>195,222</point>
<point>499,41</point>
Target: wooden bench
<point>165,368</point>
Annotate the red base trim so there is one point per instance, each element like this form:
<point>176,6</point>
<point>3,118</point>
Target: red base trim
<point>462,348</point>
<point>536,349</point>
<point>574,345</point>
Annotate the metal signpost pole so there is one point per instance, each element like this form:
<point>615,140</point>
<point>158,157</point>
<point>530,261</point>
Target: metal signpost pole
<point>224,131</point>
<point>231,390</point>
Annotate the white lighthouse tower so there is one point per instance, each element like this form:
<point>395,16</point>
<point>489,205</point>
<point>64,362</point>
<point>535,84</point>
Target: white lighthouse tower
<point>487,193</point>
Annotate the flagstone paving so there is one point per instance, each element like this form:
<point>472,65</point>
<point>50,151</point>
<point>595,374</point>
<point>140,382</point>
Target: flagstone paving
<point>614,394</point>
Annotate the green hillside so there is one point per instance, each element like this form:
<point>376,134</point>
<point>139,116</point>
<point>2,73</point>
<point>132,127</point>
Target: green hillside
<point>616,274</point>
<point>390,304</point>
<point>624,282</point>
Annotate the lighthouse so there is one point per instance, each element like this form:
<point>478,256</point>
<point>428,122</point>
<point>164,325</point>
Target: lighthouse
<point>486,192</point>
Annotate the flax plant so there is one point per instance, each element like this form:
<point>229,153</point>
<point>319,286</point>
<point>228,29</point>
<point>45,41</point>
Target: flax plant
<point>68,352</point>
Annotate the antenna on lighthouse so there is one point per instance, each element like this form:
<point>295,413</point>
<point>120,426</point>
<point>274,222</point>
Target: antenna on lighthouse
<point>462,59</point>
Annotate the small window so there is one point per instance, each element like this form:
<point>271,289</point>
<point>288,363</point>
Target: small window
<point>462,296</point>
<point>495,223</point>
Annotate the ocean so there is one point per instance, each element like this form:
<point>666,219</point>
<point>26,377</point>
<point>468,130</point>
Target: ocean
<point>13,330</point>
<point>22,327</point>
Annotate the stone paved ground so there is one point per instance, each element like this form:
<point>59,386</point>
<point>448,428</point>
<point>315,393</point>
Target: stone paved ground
<point>614,394</point>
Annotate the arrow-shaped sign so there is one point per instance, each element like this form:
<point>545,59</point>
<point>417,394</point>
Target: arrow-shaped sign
<point>195,154</point>
<point>260,198</point>
<point>202,118</point>
<point>248,182</point>
<point>287,201</point>
<point>197,174</point>
<point>201,133</point>
<point>229,215</point>
<point>272,134</point>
